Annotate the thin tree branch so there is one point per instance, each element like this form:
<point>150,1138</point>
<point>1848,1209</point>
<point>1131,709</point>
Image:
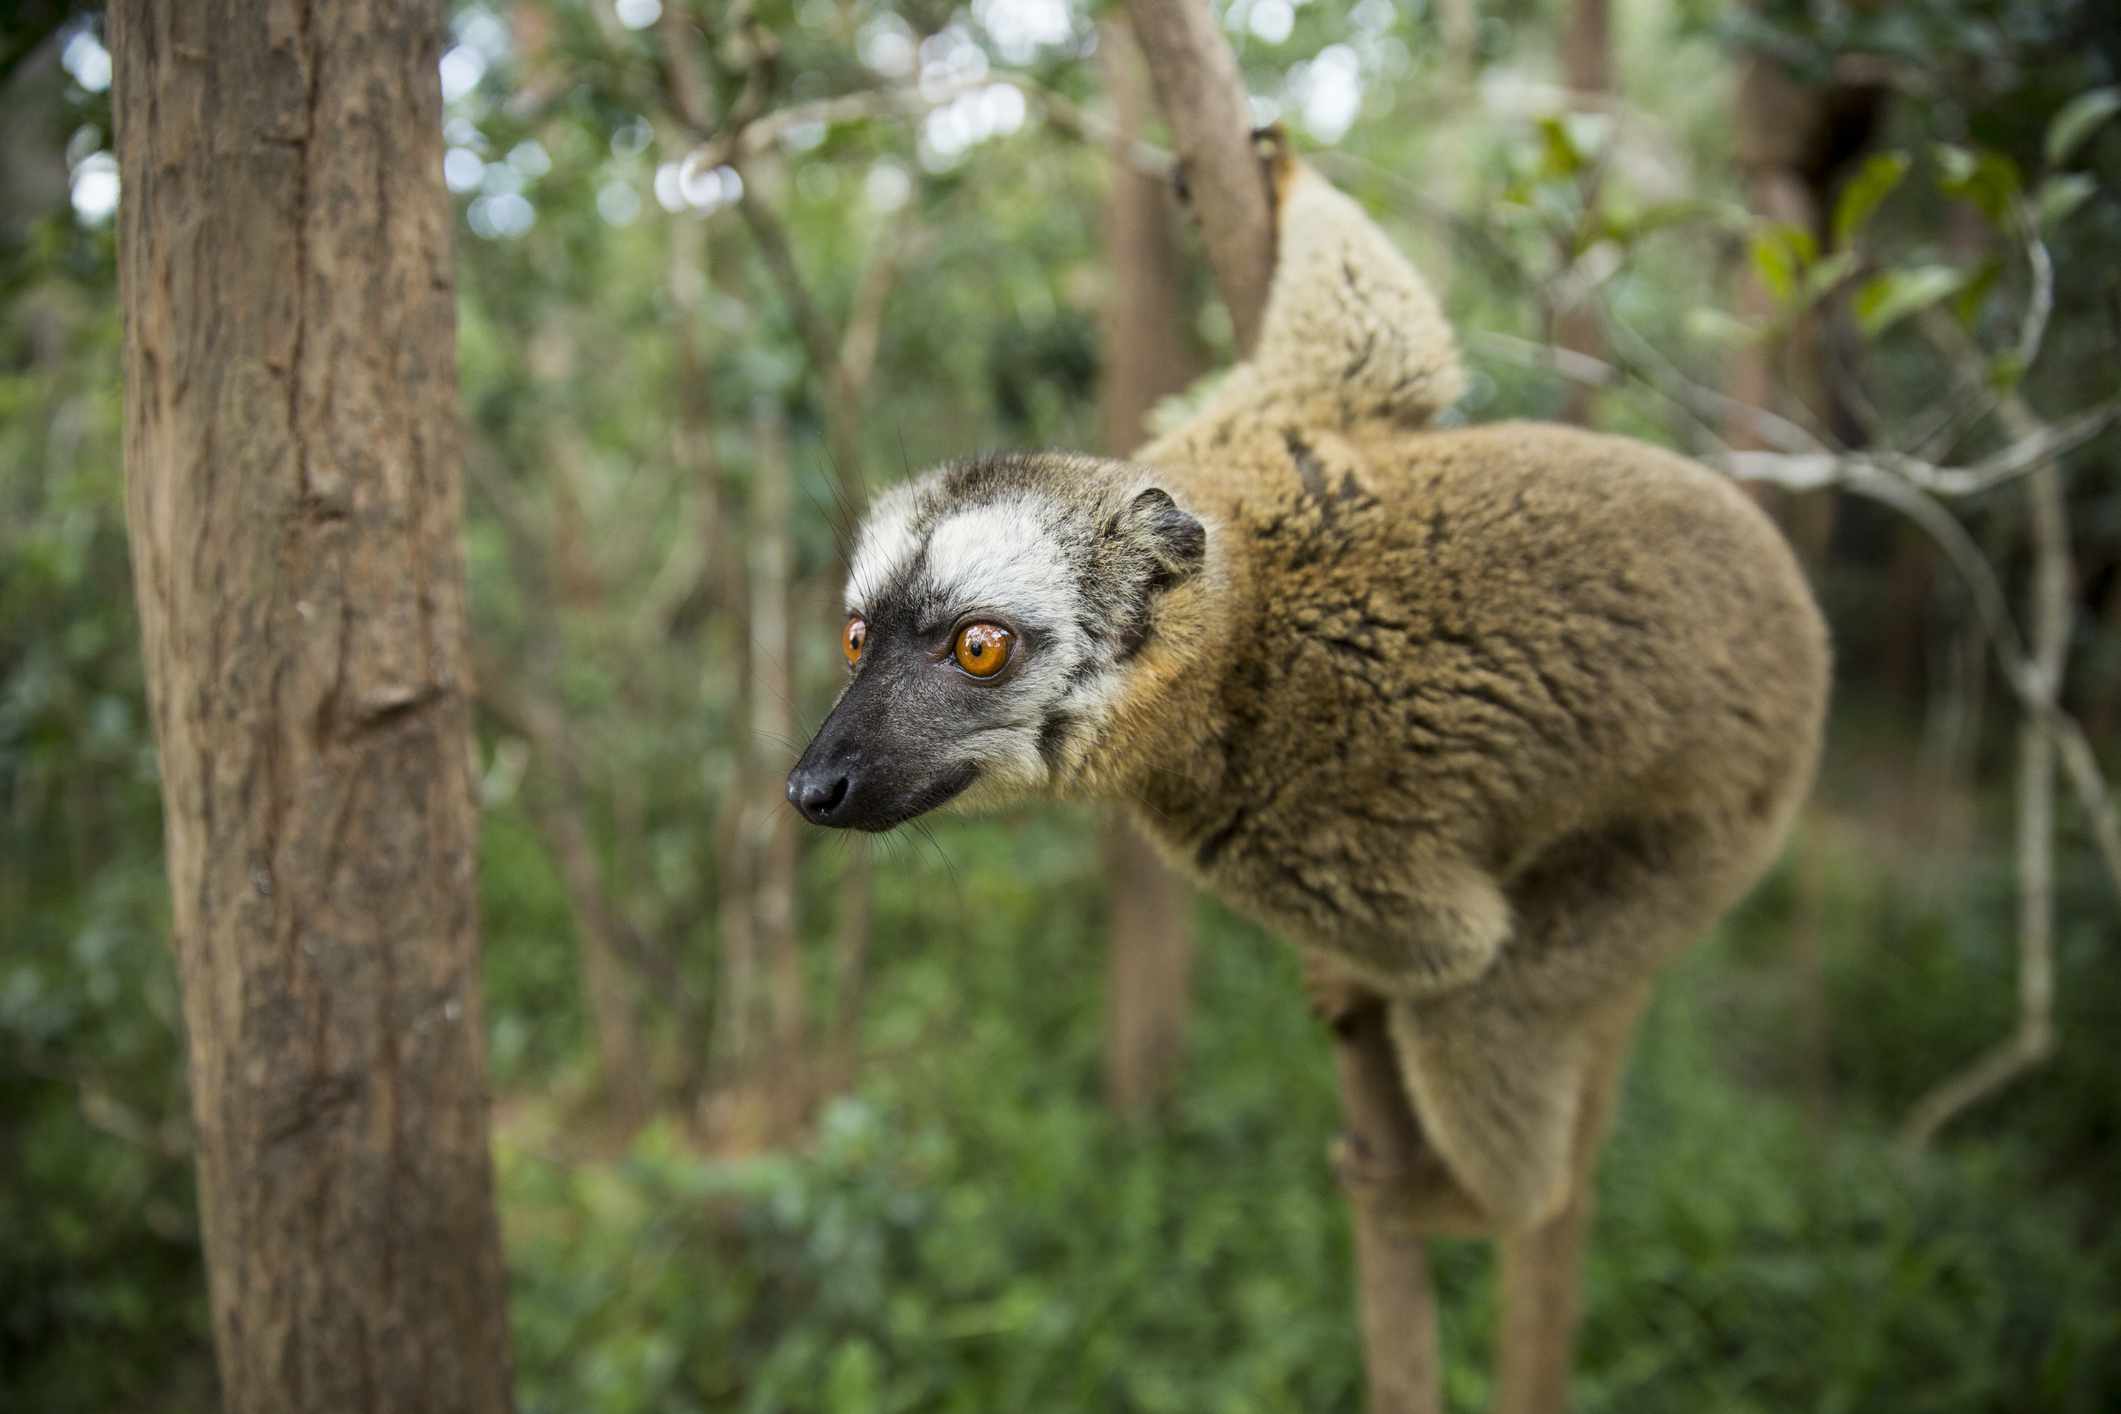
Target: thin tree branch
<point>2051,610</point>
<point>819,342</point>
<point>865,321</point>
<point>723,143</point>
<point>1878,478</point>
<point>555,809</point>
<point>2038,448</point>
<point>1203,98</point>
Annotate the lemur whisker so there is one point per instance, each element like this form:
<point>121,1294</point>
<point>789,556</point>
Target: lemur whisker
<point>922,829</point>
<point>840,520</point>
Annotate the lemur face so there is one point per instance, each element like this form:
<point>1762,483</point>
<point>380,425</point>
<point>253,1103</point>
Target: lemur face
<point>993,609</point>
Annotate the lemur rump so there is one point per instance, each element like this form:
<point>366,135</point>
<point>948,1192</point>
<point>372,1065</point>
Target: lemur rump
<point>1488,722</point>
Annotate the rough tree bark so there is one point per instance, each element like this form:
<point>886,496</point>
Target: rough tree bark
<point>1147,356</point>
<point>1202,95</point>
<point>292,451</point>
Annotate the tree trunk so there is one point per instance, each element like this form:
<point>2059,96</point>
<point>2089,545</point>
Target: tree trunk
<point>1587,69</point>
<point>292,453</point>
<point>560,804</point>
<point>608,984</point>
<point>773,723</point>
<point>762,1028</point>
<point>1458,27</point>
<point>1794,140</point>
<point>1147,356</point>
<point>1203,96</point>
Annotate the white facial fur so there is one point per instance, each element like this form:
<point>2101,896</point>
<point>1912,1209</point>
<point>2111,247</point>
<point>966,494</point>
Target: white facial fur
<point>887,541</point>
<point>1021,558</point>
<point>1003,555</point>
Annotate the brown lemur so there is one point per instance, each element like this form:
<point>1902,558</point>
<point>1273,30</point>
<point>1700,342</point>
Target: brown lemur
<point>1487,721</point>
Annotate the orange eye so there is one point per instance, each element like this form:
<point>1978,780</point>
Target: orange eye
<point>853,637</point>
<point>983,649</point>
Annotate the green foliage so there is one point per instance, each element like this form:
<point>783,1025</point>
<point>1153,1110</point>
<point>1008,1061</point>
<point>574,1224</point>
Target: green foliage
<point>972,1230</point>
<point>1865,192</point>
<point>97,1251</point>
<point>1987,178</point>
<point>1790,265</point>
<point>2061,195</point>
<point>968,1228</point>
<point>1885,299</point>
<point>2077,121</point>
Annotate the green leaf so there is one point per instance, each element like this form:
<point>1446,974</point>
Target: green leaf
<point>2005,369</point>
<point>1828,273</point>
<point>1622,221</point>
<point>1625,223</point>
<point>1716,326</point>
<point>853,1383</point>
<point>2060,195</point>
<point>1559,156</point>
<point>1886,299</point>
<point>1987,179</point>
<point>1866,192</point>
<point>1967,303</point>
<point>1781,253</point>
<point>2076,121</point>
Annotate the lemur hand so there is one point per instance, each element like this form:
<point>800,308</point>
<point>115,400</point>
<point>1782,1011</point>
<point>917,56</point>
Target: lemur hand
<point>1336,998</point>
<point>1277,159</point>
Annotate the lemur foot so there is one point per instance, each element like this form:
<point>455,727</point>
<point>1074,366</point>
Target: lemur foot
<point>1277,163</point>
<point>1372,1186</point>
<point>1360,1172</point>
<point>1421,1200</point>
<point>1277,159</point>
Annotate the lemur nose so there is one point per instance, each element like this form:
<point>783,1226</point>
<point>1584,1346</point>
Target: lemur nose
<point>817,794</point>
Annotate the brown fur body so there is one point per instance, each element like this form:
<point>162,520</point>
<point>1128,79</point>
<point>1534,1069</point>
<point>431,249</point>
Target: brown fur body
<point>1490,721</point>
<point>1489,657</point>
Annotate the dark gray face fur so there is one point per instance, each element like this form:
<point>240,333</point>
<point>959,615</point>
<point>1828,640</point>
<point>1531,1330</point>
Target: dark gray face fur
<point>1068,553</point>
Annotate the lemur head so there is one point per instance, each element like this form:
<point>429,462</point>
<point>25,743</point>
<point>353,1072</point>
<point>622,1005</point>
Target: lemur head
<point>994,610</point>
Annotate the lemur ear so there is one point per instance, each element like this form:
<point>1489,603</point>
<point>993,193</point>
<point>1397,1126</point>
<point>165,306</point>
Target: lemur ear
<point>1176,543</point>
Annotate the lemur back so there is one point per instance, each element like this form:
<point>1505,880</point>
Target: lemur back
<point>1499,642</point>
<point>1451,662</point>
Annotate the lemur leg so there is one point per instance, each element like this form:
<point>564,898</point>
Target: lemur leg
<point>1510,1105</point>
<point>1437,932</point>
<point>1497,1088</point>
<point>1349,324</point>
<point>1512,1073</point>
<point>1542,1270</point>
<point>1396,1176</point>
<point>1492,1105</point>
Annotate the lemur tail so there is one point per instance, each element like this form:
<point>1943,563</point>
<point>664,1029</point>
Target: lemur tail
<point>1347,313</point>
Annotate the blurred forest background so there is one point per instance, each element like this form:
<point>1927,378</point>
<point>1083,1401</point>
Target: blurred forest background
<point>987,1117</point>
